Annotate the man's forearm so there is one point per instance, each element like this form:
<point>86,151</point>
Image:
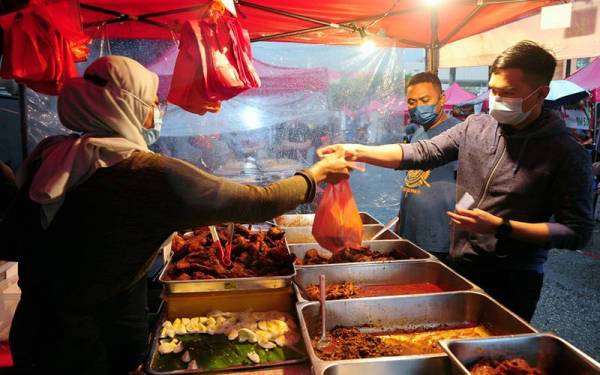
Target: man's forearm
<point>538,233</point>
<point>388,156</point>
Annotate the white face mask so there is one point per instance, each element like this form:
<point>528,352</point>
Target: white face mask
<point>509,110</point>
<point>151,135</point>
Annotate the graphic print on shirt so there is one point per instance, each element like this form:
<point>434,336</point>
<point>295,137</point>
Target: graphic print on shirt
<point>414,180</point>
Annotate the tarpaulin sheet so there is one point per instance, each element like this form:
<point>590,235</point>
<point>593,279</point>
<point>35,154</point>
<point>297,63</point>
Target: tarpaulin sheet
<point>338,107</point>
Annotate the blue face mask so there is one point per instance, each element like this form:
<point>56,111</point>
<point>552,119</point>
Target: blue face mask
<point>151,135</point>
<point>424,115</point>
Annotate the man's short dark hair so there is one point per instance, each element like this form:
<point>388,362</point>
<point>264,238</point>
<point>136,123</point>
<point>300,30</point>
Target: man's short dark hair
<point>536,63</point>
<point>425,77</point>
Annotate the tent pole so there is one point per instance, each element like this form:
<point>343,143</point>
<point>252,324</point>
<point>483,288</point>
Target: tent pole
<point>595,132</point>
<point>432,54</point>
<point>433,51</point>
<point>23,120</point>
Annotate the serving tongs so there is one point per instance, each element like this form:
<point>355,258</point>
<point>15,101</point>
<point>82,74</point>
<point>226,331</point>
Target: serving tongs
<point>224,254</point>
<point>227,257</point>
<point>385,228</point>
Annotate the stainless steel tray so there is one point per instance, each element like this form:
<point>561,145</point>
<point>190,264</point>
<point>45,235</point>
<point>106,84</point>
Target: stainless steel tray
<point>148,365</point>
<point>295,235</point>
<point>213,285</point>
<point>439,365</point>
<point>384,273</point>
<point>549,353</point>
<point>306,220</point>
<point>408,312</point>
<point>414,252</point>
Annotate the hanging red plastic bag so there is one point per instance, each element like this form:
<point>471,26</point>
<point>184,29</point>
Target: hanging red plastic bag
<point>41,44</point>
<point>337,222</point>
<point>24,49</point>
<point>229,71</point>
<point>188,84</point>
<point>214,62</point>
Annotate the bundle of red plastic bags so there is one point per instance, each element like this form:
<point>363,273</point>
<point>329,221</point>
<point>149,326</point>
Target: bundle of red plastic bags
<point>42,43</point>
<point>214,62</point>
<point>337,222</point>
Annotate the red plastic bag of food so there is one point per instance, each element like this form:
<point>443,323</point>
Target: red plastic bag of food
<point>337,222</point>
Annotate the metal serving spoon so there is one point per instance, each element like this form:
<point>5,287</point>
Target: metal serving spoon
<point>324,341</point>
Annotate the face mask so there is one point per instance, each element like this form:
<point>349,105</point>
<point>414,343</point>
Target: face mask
<point>424,115</point>
<point>509,110</point>
<point>151,135</point>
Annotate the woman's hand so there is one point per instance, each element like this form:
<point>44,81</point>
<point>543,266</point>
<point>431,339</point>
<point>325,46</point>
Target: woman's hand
<point>475,221</point>
<point>350,151</point>
<point>333,167</point>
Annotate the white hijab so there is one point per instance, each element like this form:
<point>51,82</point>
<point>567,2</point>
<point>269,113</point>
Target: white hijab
<point>108,106</point>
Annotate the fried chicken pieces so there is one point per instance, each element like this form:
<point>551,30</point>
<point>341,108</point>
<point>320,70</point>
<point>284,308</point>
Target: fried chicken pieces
<point>350,255</point>
<point>196,256</point>
<point>343,290</point>
<point>514,366</point>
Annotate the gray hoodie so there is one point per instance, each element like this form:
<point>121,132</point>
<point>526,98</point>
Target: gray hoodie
<point>529,175</point>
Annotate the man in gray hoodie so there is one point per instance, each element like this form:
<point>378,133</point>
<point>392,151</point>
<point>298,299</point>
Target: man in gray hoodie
<point>522,168</point>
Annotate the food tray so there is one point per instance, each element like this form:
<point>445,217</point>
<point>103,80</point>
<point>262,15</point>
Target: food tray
<point>549,353</point>
<point>406,312</point>
<point>213,285</point>
<point>187,305</point>
<point>385,247</point>
<point>306,220</point>
<point>149,365</point>
<point>295,235</point>
<point>389,365</point>
<point>280,302</point>
<point>383,273</point>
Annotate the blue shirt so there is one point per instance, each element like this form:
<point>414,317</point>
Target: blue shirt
<point>426,196</point>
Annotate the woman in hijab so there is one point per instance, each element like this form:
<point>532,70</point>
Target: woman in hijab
<point>92,211</point>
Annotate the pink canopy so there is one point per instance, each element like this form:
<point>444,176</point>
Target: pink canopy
<point>588,78</point>
<point>276,80</point>
<point>481,98</point>
<point>455,95</point>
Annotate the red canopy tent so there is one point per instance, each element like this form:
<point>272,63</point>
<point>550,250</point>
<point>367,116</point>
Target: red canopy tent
<point>421,24</point>
<point>403,22</point>
<point>589,78</point>
<point>455,94</point>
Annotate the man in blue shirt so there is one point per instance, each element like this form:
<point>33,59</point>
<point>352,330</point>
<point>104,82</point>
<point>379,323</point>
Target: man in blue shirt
<point>428,194</point>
